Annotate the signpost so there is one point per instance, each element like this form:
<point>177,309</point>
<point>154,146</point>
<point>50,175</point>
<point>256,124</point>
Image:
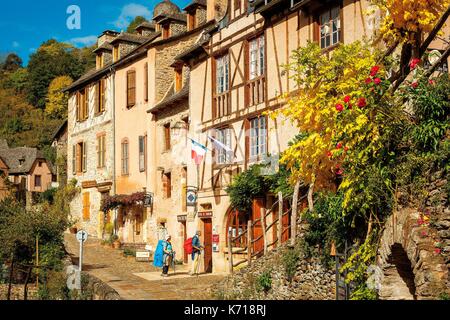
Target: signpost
<point>82,236</point>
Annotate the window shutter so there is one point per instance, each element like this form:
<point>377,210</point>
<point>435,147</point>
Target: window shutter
<point>86,104</point>
<point>78,158</point>
<point>84,148</point>
<point>77,105</point>
<point>146,82</point>
<point>247,141</point>
<point>86,206</point>
<point>74,159</point>
<point>131,88</point>
<point>97,97</point>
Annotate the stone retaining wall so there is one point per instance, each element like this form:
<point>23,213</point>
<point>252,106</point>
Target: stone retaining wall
<point>312,281</point>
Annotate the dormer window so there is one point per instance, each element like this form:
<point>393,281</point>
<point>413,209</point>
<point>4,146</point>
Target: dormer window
<point>116,53</point>
<point>192,20</point>
<point>166,31</point>
<point>21,161</point>
<point>100,61</point>
<point>178,78</point>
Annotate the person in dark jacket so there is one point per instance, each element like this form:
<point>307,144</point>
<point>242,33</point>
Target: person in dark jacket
<point>168,255</point>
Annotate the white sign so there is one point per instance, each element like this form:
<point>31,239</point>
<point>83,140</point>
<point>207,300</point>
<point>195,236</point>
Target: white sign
<point>82,236</point>
<point>142,254</point>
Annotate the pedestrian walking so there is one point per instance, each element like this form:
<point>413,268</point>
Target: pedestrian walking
<point>196,253</point>
<point>168,255</point>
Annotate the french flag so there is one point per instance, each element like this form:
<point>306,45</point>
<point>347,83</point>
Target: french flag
<point>198,152</point>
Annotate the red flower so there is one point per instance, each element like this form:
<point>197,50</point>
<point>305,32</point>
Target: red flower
<point>432,82</point>
<point>350,106</point>
<point>339,145</point>
<point>339,107</point>
<point>414,85</point>
<point>437,251</point>
<point>339,172</point>
<point>420,221</point>
<point>347,99</point>
<point>329,154</point>
<point>346,149</point>
<point>368,80</point>
<point>374,71</point>
<point>414,62</point>
<point>424,233</point>
<point>362,102</point>
<point>377,81</point>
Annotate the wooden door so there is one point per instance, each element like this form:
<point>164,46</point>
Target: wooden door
<point>207,231</point>
<point>186,256</point>
<point>258,246</point>
<point>285,236</point>
<point>86,206</point>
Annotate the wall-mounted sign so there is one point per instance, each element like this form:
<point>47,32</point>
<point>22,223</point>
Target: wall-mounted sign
<point>143,256</point>
<point>191,196</point>
<point>215,247</point>
<point>148,200</point>
<point>205,214</point>
<point>182,218</point>
<point>215,238</point>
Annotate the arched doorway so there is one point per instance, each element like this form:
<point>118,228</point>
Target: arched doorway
<point>398,279</point>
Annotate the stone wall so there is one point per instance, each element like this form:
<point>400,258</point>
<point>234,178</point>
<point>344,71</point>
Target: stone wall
<point>312,281</point>
<point>99,289</point>
<point>424,235</point>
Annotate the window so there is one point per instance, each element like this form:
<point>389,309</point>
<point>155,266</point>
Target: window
<point>223,74</point>
<point>146,82</point>
<point>40,164</point>
<point>192,20</point>
<point>258,138</point>
<point>166,31</point>
<point>37,181</point>
<point>131,88</point>
<point>100,96</point>
<point>125,157</point>
<point>167,185</point>
<point>116,53</point>
<point>178,79</point>
<point>330,28</point>
<point>237,225</point>
<point>99,60</point>
<point>257,57</point>
<point>82,104</point>
<point>167,144</point>
<point>80,158</point>
<point>142,153</point>
<point>101,151</point>
<point>224,136</point>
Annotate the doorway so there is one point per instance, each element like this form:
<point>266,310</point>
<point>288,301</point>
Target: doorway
<point>258,245</point>
<point>207,239</point>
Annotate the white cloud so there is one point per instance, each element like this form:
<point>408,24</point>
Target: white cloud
<point>83,41</point>
<point>15,44</point>
<point>129,12</point>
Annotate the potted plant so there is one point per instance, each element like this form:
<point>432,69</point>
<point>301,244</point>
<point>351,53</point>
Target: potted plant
<point>73,226</point>
<point>116,242</point>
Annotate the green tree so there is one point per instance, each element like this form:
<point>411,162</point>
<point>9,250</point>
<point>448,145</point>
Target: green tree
<point>56,106</point>
<point>133,24</point>
<point>12,63</point>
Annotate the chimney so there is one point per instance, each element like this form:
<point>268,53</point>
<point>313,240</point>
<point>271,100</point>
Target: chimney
<point>106,36</point>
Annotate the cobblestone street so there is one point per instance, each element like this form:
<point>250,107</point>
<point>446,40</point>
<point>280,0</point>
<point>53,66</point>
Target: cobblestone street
<point>138,280</point>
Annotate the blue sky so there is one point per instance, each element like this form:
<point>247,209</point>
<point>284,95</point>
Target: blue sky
<point>26,24</point>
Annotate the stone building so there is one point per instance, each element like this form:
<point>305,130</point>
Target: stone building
<point>235,77</point>
<point>27,172</point>
<point>60,145</point>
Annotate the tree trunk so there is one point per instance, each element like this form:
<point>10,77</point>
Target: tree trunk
<point>10,278</point>
<point>294,212</point>
<point>27,280</point>
<point>310,197</point>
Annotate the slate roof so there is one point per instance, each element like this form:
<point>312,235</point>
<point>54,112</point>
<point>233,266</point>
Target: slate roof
<point>146,25</point>
<point>19,160</point>
<point>106,46</point>
<point>171,97</point>
<point>129,37</point>
<point>195,3</point>
<point>59,130</point>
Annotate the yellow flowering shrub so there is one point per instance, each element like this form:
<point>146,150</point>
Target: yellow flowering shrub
<point>404,17</point>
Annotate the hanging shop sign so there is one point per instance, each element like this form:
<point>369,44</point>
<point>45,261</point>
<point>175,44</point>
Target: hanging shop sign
<point>191,196</point>
<point>182,218</point>
<point>205,214</point>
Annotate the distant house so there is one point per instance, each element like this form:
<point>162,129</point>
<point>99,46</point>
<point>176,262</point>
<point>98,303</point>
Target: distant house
<point>4,190</point>
<point>27,170</point>
<point>60,144</point>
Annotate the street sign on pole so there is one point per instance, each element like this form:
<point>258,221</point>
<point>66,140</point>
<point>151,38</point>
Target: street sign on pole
<point>82,236</point>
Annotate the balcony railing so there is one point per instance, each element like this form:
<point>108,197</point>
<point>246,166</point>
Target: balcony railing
<point>222,104</point>
<point>256,90</point>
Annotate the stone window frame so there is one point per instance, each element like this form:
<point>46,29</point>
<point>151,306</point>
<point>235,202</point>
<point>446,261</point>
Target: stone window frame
<point>101,150</point>
<point>125,158</point>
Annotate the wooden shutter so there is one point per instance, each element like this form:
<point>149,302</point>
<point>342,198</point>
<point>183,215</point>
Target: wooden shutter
<point>74,159</point>
<point>86,206</point>
<point>247,141</point>
<point>77,102</point>
<point>78,158</point>
<point>97,97</point>
<point>316,28</point>
<point>84,149</point>
<point>103,95</point>
<point>167,136</point>
<point>131,88</point>
<point>146,82</point>
<point>86,104</point>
